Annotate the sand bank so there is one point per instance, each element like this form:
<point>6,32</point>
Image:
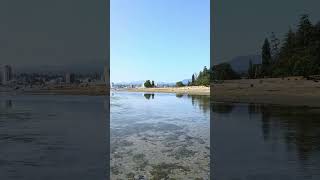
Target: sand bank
<point>295,91</point>
<point>191,90</point>
<point>292,91</point>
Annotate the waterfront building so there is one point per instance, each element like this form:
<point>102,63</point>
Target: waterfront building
<point>6,74</point>
<point>70,78</point>
<point>67,78</point>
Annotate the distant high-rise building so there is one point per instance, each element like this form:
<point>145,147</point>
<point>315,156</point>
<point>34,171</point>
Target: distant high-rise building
<point>67,78</point>
<point>1,74</point>
<point>7,74</point>
<point>106,75</point>
<point>70,78</point>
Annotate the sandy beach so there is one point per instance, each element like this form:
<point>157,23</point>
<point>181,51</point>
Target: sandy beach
<point>191,90</point>
<point>292,91</point>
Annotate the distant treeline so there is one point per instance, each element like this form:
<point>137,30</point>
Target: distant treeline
<point>221,71</point>
<point>297,55</point>
<point>200,79</point>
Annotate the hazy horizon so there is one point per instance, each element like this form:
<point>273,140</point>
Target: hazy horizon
<point>35,35</point>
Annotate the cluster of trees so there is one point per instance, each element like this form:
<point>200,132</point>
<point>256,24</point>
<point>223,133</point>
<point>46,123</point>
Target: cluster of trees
<point>221,71</point>
<point>149,84</point>
<point>201,79</point>
<point>180,84</point>
<point>298,55</point>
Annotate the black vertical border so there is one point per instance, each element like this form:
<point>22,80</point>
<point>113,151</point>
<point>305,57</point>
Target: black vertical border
<point>211,89</point>
<point>108,88</point>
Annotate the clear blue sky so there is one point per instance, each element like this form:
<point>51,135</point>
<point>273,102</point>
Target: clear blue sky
<point>161,40</point>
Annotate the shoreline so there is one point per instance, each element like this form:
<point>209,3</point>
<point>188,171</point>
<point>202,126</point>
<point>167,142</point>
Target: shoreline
<point>96,90</point>
<point>190,90</point>
<point>290,91</point>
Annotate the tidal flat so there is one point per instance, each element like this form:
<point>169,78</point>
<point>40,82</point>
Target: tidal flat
<point>163,137</point>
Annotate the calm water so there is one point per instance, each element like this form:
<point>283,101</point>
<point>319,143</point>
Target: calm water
<point>264,142</point>
<point>159,136</point>
<point>52,137</point>
<point>155,136</point>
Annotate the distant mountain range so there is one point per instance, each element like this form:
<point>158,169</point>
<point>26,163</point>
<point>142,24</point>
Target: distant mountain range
<point>130,83</point>
<point>241,63</point>
<point>186,81</point>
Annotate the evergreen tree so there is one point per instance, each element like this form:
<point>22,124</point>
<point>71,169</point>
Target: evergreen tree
<point>148,84</point>
<point>317,44</point>
<point>152,84</point>
<point>179,84</point>
<point>193,80</point>
<point>223,71</point>
<point>275,43</point>
<point>251,72</point>
<point>300,52</point>
<point>205,70</point>
<point>305,29</point>
<point>266,57</point>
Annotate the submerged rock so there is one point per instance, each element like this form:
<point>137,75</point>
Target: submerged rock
<point>140,177</point>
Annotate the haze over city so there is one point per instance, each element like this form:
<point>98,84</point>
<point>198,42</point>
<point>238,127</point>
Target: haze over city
<point>61,35</point>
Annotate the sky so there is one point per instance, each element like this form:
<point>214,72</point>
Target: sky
<point>160,40</point>
<point>38,33</point>
<point>240,27</point>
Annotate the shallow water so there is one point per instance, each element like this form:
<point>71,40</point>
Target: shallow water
<point>159,136</point>
<point>52,137</point>
<point>155,135</point>
<point>264,142</point>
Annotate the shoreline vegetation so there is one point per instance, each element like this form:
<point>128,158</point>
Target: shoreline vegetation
<point>289,74</point>
<point>289,91</point>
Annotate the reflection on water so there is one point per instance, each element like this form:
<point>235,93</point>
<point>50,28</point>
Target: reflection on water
<point>52,137</point>
<point>148,96</point>
<point>6,103</point>
<point>222,108</point>
<point>254,141</point>
<point>162,137</point>
<point>203,102</point>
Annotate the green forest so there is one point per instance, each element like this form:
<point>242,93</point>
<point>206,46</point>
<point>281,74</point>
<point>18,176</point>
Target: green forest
<point>221,71</point>
<point>201,79</point>
<point>297,55</point>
